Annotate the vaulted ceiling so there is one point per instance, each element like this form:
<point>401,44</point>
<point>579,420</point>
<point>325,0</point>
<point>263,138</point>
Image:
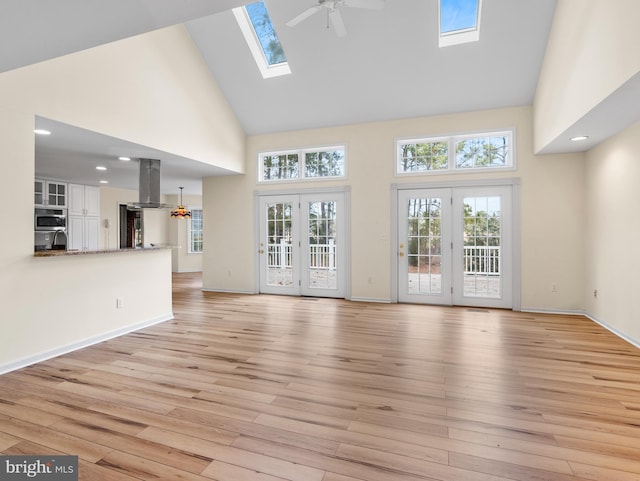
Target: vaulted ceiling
<point>389,65</point>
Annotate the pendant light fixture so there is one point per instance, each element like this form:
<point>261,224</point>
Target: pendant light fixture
<point>181,212</point>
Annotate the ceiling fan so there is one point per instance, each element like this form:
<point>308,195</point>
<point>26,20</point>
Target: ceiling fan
<point>333,12</point>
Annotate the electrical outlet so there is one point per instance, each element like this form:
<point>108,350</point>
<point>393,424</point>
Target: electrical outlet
<point>595,293</point>
<point>119,303</point>
<point>554,287</point>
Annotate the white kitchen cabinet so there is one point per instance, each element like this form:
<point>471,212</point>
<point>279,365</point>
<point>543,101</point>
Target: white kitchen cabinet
<point>84,200</point>
<point>83,219</point>
<point>50,193</point>
<point>83,233</point>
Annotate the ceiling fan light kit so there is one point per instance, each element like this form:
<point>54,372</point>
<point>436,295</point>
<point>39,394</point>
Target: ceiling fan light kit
<point>334,17</point>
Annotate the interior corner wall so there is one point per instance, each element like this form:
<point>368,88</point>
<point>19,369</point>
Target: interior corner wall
<point>153,89</point>
<point>588,37</point>
<point>612,233</point>
<point>51,305</point>
<point>551,207</point>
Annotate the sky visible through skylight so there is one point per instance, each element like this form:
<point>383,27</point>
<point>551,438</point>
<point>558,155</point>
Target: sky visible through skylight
<point>456,15</point>
<point>265,32</point>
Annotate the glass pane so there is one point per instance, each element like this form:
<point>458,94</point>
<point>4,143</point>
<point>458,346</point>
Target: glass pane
<point>279,245</point>
<point>324,164</point>
<point>195,230</point>
<point>481,152</point>
<point>278,167</point>
<point>322,245</point>
<point>424,246</point>
<point>416,157</point>
<point>482,247</point>
<point>456,15</point>
<point>262,26</point>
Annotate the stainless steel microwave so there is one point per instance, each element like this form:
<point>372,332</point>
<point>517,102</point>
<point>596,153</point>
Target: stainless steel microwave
<point>50,219</point>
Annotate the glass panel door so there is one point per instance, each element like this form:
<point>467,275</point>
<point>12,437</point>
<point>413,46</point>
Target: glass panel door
<point>455,246</point>
<point>279,244</point>
<point>482,267</point>
<point>302,245</point>
<point>424,253</point>
<point>324,245</point>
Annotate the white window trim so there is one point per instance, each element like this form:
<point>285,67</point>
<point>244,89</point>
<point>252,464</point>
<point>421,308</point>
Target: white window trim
<point>189,243</point>
<point>452,139</point>
<point>267,71</point>
<point>301,152</point>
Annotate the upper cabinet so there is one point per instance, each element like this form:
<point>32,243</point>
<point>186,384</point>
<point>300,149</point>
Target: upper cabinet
<point>84,200</point>
<point>50,193</point>
<point>83,218</point>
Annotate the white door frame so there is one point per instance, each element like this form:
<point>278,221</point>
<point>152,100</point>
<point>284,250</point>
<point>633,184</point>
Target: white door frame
<point>515,225</point>
<point>305,193</point>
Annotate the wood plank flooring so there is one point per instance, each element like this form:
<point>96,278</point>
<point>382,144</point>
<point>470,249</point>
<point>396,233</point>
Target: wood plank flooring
<point>267,388</point>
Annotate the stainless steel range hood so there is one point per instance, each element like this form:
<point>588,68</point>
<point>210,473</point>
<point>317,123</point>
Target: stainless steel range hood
<point>149,185</point>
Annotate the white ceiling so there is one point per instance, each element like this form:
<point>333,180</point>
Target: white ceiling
<point>72,154</point>
<point>389,65</point>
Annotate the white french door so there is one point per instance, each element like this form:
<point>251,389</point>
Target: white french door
<point>302,244</point>
<point>424,226</point>
<point>455,246</point>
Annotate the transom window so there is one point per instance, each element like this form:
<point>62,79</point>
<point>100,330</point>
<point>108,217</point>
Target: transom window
<point>261,37</point>
<point>459,21</point>
<point>313,163</point>
<point>484,151</point>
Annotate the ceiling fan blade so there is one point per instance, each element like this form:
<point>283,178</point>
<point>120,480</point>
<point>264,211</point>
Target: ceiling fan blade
<point>303,16</point>
<point>372,4</point>
<point>337,22</point>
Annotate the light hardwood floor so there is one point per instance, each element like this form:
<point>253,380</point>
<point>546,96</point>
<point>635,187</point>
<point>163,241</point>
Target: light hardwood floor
<point>266,388</point>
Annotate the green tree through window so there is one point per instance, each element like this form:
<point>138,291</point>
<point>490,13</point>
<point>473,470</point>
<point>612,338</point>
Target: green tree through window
<point>265,32</point>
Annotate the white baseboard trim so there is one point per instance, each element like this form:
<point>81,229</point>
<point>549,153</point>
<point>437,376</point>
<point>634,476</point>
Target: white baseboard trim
<point>566,312</point>
<point>370,299</point>
<point>28,361</point>
<point>613,330</point>
<point>229,291</point>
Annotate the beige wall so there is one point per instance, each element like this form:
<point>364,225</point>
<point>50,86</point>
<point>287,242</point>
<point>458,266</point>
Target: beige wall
<point>612,233</point>
<point>592,51</point>
<point>51,305</point>
<point>110,200</point>
<point>551,206</point>
<point>154,90</point>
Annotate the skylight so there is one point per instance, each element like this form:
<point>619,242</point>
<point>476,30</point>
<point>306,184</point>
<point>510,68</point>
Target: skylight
<point>261,37</point>
<point>459,21</point>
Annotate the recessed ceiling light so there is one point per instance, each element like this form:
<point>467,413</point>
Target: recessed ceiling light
<point>124,159</point>
<point>101,167</point>
<point>104,181</point>
<point>42,132</point>
<point>579,138</point>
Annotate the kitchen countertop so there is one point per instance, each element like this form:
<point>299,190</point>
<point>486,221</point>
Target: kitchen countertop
<point>62,253</point>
